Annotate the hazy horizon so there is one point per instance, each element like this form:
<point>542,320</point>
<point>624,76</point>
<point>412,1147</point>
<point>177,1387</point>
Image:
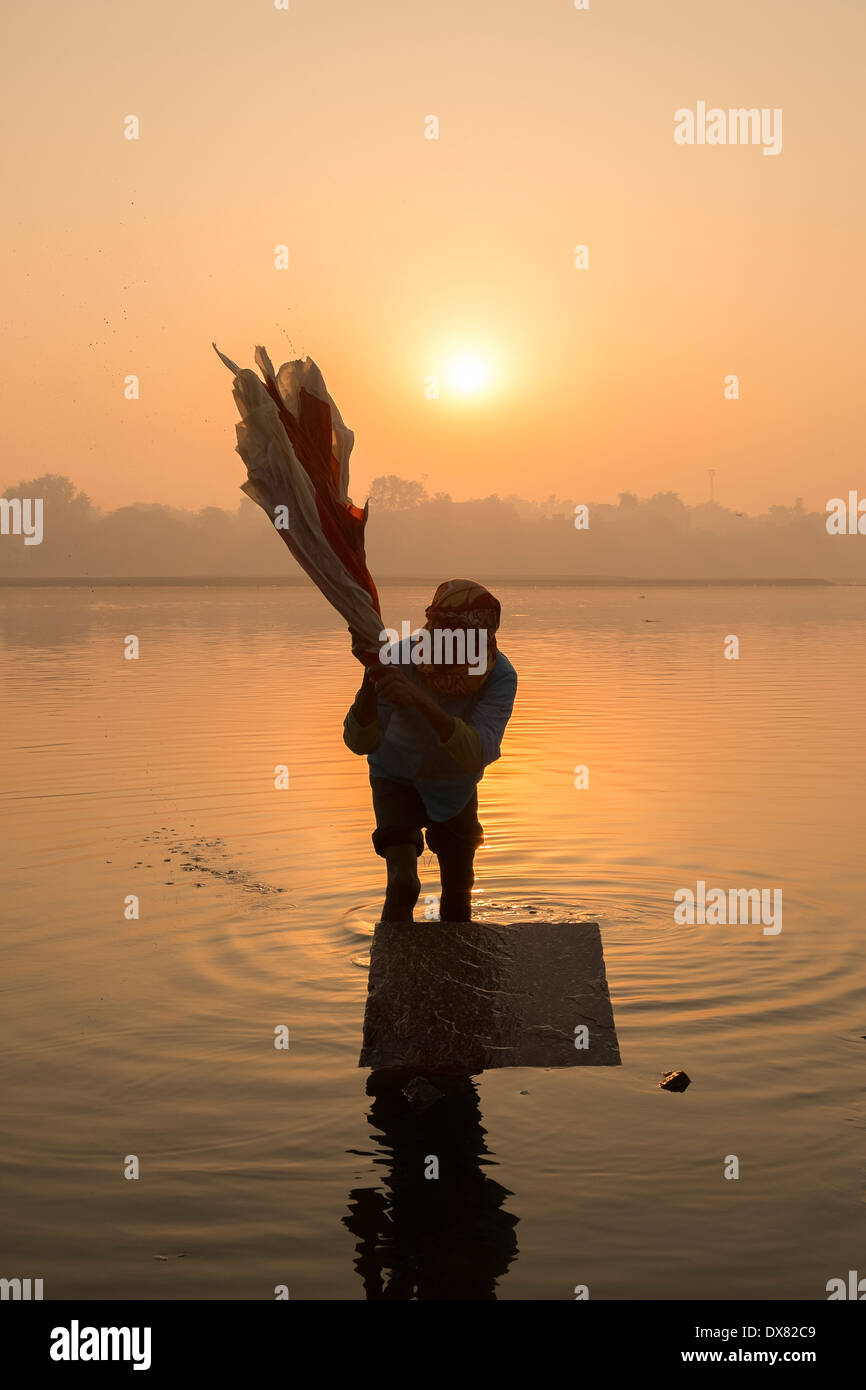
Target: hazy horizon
<point>413,535</point>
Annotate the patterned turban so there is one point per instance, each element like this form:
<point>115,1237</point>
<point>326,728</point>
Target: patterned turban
<point>461,603</point>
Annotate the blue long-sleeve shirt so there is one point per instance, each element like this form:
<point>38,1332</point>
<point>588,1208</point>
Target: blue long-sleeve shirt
<point>402,746</point>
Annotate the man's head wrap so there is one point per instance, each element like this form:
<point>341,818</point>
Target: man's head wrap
<point>461,603</point>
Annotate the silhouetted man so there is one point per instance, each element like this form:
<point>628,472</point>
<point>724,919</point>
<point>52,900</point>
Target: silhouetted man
<point>430,721</point>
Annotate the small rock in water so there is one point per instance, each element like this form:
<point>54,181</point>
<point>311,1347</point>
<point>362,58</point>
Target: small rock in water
<point>675,1081</point>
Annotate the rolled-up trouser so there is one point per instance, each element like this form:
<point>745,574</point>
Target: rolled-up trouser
<point>401,816</point>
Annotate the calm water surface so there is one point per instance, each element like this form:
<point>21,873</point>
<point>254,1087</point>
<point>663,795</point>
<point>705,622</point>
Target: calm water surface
<point>155,1037</point>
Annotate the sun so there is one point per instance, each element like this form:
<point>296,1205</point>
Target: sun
<point>468,374</point>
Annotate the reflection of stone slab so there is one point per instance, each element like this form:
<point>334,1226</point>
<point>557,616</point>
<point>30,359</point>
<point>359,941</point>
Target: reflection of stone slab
<point>466,996</point>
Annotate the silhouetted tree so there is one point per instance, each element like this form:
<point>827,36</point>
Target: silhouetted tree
<point>393,494</point>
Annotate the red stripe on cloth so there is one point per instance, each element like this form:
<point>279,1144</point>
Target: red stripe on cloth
<point>342,524</point>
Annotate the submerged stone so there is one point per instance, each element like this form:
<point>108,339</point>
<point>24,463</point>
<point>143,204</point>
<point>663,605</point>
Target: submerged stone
<point>462,997</point>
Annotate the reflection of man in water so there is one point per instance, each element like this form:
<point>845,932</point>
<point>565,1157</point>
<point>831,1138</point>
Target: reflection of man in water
<point>431,1239</point>
<point>429,730</point>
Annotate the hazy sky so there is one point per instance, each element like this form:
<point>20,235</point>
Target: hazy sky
<point>260,127</point>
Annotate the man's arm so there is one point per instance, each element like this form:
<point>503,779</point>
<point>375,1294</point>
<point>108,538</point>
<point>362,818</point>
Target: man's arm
<point>361,728</point>
<point>489,719</point>
<point>473,744</point>
<point>399,690</point>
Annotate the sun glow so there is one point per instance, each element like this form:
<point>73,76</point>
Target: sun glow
<point>468,375</point>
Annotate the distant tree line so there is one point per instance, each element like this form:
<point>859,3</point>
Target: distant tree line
<point>412,534</point>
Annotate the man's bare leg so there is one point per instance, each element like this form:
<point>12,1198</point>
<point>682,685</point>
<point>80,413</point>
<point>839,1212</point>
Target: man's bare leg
<point>404,886</point>
<point>457,874</point>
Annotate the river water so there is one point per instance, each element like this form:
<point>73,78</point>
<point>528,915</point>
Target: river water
<point>154,1037</point>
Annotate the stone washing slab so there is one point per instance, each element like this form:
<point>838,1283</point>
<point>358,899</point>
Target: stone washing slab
<point>462,997</point>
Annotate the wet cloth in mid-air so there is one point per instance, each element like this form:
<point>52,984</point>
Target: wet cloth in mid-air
<point>296,448</point>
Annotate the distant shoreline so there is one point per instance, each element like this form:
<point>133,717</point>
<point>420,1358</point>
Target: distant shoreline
<point>293,581</point>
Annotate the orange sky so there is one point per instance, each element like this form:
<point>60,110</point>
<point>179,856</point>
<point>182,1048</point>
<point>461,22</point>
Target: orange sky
<point>261,127</point>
